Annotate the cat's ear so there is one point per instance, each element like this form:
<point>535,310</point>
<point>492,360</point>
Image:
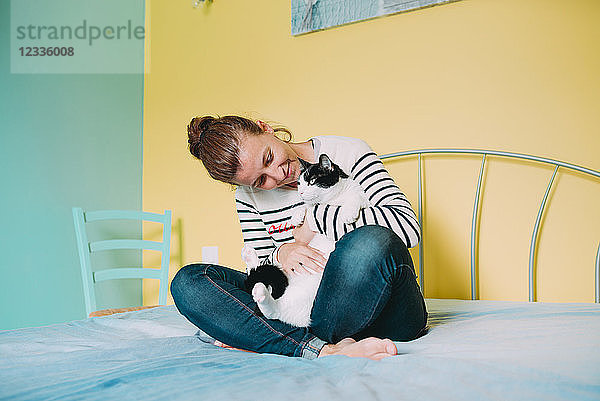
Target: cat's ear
<point>304,165</point>
<point>325,162</point>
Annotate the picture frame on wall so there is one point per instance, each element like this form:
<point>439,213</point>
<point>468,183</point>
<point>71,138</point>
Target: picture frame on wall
<point>315,15</point>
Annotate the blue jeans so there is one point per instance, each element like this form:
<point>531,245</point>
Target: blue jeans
<point>368,289</point>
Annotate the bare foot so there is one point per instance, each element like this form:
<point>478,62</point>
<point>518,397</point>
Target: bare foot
<point>372,348</point>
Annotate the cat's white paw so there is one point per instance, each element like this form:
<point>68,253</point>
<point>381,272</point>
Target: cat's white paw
<point>349,214</point>
<point>250,257</point>
<point>259,293</point>
<point>298,217</point>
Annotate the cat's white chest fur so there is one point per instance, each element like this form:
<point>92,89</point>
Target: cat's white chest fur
<point>347,193</point>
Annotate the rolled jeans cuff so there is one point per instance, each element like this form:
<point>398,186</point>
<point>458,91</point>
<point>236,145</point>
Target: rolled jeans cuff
<point>312,348</point>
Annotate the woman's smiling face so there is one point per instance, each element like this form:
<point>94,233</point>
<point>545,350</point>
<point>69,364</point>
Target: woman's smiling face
<point>266,162</point>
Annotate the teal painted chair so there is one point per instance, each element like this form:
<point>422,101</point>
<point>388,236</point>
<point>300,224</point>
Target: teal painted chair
<point>86,248</point>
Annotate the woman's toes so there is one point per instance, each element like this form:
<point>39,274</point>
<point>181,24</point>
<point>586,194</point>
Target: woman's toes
<point>390,347</point>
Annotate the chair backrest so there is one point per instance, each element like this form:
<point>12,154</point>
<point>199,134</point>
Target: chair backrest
<point>86,248</point>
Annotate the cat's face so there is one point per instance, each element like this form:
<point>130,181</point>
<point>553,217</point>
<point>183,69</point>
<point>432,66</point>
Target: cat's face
<point>316,179</point>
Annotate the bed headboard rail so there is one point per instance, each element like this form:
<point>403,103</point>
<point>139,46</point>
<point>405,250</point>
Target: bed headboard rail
<point>475,220</point>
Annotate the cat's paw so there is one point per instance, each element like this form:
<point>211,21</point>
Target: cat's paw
<point>259,293</point>
<point>349,214</point>
<point>298,217</point>
<point>250,257</point>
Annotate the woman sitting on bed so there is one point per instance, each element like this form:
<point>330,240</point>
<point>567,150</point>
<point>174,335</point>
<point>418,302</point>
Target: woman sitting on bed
<point>368,295</point>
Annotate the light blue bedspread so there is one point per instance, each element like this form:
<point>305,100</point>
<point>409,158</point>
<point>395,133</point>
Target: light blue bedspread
<point>475,350</point>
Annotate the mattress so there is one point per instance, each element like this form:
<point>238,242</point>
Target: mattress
<point>478,350</point>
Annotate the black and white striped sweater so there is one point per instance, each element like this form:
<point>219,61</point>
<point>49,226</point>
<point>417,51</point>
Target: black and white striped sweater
<point>265,215</point>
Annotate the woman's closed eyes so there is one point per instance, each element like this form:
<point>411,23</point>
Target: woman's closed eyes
<point>268,160</point>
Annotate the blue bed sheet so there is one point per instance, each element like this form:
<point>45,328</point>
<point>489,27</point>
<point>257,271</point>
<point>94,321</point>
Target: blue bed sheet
<point>474,350</point>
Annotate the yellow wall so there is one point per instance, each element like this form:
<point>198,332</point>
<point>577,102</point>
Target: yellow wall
<point>509,75</point>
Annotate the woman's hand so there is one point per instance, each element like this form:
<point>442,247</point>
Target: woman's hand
<point>303,234</point>
<point>298,258</point>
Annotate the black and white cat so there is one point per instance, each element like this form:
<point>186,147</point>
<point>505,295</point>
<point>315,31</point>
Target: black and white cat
<point>290,298</point>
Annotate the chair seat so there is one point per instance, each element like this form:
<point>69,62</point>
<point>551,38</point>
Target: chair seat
<point>107,312</point>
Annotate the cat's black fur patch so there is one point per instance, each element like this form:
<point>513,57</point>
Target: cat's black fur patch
<point>324,174</point>
<point>269,275</point>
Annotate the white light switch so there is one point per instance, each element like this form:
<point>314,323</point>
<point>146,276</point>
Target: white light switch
<point>210,254</point>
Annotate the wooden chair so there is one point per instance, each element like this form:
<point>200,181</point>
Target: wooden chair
<point>86,248</point>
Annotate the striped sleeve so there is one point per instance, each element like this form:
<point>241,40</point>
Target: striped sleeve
<point>390,207</point>
<point>254,232</point>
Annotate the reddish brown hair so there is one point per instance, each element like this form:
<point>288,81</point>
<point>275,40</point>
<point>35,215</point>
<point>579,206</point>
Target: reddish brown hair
<point>216,142</point>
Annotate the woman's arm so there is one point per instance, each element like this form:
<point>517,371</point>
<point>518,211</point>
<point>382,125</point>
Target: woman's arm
<point>390,207</point>
<point>254,232</point>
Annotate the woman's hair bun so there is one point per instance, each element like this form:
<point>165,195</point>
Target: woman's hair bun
<point>197,127</point>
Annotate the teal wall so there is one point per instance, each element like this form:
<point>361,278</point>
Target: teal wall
<point>65,140</point>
